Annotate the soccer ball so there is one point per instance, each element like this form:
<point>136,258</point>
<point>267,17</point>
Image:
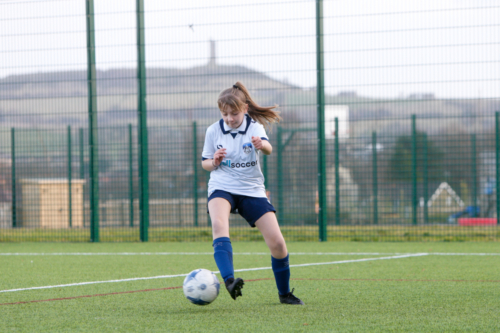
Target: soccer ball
<point>201,287</point>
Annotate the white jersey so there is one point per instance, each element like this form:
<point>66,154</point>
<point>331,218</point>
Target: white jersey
<point>239,173</point>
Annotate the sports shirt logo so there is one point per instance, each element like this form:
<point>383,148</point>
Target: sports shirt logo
<point>228,163</point>
<point>247,148</point>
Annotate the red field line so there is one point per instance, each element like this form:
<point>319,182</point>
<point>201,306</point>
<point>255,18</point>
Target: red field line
<point>96,295</point>
<point>107,294</point>
<point>252,280</point>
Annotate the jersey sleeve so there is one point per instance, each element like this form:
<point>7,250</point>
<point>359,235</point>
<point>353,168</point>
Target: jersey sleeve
<point>260,131</point>
<point>208,147</point>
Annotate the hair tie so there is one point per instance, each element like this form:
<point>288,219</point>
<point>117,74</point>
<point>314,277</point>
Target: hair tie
<point>235,86</point>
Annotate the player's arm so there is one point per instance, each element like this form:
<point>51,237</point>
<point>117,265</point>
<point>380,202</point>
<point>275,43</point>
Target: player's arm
<point>208,165</point>
<point>267,148</point>
<point>262,145</point>
<point>211,164</point>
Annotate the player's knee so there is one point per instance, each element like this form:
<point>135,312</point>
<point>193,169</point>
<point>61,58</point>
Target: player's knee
<point>278,248</point>
<point>219,225</point>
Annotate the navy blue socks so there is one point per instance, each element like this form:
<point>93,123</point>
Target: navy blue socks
<point>281,272</point>
<point>223,254</point>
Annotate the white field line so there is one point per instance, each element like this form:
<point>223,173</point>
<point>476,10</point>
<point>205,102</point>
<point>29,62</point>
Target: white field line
<point>464,254</point>
<point>235,253</point>
<point>237,270</point>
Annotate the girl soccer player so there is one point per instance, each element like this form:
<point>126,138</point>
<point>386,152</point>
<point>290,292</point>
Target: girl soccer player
<point>231,153</point>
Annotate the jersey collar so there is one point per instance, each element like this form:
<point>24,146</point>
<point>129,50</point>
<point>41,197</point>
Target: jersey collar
<point>241,130</point>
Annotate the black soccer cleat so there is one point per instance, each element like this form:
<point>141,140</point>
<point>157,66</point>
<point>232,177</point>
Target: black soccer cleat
<point>290,299</point>
<point>234,287</point>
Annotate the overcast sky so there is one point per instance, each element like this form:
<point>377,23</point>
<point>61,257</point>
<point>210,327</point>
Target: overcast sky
<point>383,48</point>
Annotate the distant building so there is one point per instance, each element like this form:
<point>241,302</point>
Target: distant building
<point>347,94</point>
<point>5,189</point>
<point>349,190</point>
<point>378,147</point>
<point>445,200</point>
<point>341,112</point>
<point>486,166</point>
<point>422,96</point>
<point>211,61</point>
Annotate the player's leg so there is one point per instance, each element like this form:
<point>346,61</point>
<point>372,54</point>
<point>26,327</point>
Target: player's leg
<point>268,226</point>
<point>219,209</point>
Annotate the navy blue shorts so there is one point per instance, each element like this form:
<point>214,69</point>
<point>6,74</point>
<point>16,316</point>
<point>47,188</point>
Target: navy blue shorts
<point>250,208</point>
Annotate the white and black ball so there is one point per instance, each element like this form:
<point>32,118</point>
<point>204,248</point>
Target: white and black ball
<point>201,287</point>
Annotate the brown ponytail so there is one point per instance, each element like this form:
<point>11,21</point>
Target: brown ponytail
<point>237,96</point>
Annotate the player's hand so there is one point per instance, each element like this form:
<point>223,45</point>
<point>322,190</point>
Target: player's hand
<point>257,142</point>
<point>219,156</point>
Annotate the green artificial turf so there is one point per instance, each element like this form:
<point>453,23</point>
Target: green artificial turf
<point>431,293</point>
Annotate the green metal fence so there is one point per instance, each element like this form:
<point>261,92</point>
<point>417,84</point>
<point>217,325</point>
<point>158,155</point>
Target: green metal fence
<point>391,127</point>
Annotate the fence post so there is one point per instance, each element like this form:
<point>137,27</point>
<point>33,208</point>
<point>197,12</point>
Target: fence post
<point>337,173</point>
<point>130,178</point>
<point>320,91</point>
<point>13,174</point>
<point>497,162</point>
<point>279,172</point>
<point>375,178</point>
<point>82,170</point>
<point>80,144</point>
<point>414,198</point>
<point>474,172</point>
<point>70,204</point>
<point>426,179</point>
<point>195,169</point>
<point>92,112</point>
<point>143,134</point>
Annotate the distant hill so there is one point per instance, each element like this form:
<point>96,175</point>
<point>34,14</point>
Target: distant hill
<point>177,95</point>
<point>61,97</point>
<point>124,81</point>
